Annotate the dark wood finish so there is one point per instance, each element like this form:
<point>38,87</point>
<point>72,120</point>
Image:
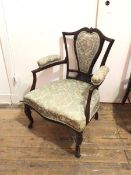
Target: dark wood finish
<point>87,108</point>
<point>127,91</point>
<point>34,72</point>
<point>79,139</point>
<point>86,77</point>
<point>96,116</point>
<point>27,110</point>
<point>103,38</point>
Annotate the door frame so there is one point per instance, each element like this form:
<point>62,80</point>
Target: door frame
<point>6,52</point>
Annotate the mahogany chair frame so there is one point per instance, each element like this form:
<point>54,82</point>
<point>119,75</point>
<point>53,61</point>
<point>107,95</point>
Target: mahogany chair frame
<point>86,77</point>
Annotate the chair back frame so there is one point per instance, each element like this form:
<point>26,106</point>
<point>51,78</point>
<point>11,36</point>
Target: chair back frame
<point>81,75</point>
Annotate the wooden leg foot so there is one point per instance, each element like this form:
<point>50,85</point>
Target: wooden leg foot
<point>79,139</point>
<point>96,116</point>
<point>30,125</point>
<point>28,114</point>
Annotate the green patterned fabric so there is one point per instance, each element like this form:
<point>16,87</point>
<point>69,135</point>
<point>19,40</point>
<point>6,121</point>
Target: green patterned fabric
<point>100,75</point>
<point>48,59</point>
<point>87,45</point>
<point>64,101</point>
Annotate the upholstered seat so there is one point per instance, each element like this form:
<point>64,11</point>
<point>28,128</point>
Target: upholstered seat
<point>64,101</point>
<point>75,100</point>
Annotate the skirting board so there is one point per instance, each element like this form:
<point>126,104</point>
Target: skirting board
<point>5,99</point>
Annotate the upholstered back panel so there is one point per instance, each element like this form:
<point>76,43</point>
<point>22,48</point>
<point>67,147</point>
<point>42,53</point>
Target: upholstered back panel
<point>87,45</point>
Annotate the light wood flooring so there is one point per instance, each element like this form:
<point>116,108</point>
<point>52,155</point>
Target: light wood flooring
<point>48,148</point>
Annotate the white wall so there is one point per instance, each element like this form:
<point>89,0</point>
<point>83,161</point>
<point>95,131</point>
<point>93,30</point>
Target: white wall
<point>4,85</point>
<point>114,21</point>
<point>34,29</point>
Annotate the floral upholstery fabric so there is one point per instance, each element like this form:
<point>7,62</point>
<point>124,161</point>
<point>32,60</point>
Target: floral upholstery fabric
<point>64,101</point>
<point>48,59</point>
<point>87,45</point>
<point>100,75</point>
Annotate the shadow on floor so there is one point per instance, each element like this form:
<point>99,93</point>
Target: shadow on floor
<point>56,134</point>
<point>122,116</point>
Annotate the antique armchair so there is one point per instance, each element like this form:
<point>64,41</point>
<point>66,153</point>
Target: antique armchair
<point>73,101</point>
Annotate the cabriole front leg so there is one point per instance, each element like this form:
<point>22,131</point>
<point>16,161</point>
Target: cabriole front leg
<point>79,139</point>
<point>96,116</point>
<point>28,114</point>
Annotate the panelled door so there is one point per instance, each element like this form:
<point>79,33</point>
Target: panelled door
<point>114,21</point>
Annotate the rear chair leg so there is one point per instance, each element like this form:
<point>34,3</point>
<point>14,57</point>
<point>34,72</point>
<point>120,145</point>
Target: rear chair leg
<point>28,114</point>
<point>79,139</point>
<point>96,116</point>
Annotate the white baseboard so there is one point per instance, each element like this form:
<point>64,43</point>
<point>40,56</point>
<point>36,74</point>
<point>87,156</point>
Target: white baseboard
<point>5,99</point>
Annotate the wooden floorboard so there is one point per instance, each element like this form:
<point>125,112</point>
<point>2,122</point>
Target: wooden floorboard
<point>48,149</point>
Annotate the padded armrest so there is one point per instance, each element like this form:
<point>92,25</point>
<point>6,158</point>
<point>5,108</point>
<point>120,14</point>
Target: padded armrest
<point>48,59</point>
<point>100,75</point>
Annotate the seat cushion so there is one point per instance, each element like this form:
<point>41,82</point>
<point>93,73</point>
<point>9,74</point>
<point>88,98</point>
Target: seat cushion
<point>64,101</point>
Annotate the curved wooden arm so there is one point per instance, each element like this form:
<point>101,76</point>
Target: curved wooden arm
<point>49,65</point>
<point>34,72</point>
<point>87,109</point>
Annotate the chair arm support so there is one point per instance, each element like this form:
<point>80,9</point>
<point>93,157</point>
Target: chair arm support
<point>49,65</point>
<point>48,60</point>
<point>35,71</point>
<point>87,108</point>
<point>100,75</point>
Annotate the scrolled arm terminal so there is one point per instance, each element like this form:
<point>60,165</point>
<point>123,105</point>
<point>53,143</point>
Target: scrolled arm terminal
<point>48,60</point>
<point>99,75</point>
